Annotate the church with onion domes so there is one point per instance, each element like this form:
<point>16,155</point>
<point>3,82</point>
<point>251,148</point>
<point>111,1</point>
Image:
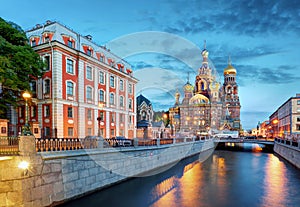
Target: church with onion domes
<point>207,106</point>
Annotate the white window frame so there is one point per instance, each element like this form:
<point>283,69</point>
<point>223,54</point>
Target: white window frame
<point>130,88</point>
<point>74,86</point>
<point>103,95</point>
<point>44,86</point>
<point>110,81</point>
<point>112,101</point>
<point>91,73</point>
<point>121,101</point>
<point>121,82</point>
<point>73,66</point>
<point>86,93</point>
<point>101,81</point>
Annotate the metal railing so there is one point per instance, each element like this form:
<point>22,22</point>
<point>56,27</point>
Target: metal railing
<point>63,144</point>
<point>9,145</point>
<point>293,143</point>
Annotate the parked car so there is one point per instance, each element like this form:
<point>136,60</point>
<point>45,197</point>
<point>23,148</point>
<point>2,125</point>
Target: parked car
<point>121,141</point>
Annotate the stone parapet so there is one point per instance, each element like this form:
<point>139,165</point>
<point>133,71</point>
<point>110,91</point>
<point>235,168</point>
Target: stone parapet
<point>53,177</point>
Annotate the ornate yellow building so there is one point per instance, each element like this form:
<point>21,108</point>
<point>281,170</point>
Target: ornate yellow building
<point>207,107</point>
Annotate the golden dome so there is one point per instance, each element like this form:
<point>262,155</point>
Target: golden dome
<point>229,70</point>
<point>199,99</point>
<point>188,87</point>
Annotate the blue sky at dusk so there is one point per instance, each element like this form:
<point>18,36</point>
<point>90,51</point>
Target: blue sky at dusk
<point>162,40</point>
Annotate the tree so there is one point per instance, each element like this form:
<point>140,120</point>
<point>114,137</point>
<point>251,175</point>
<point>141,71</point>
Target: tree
<point>19,64</point>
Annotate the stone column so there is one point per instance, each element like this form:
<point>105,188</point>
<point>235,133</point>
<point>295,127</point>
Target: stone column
<point>27,145</point>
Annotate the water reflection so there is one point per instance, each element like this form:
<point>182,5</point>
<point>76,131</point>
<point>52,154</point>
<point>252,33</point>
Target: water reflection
<point>224,179</point>
<point>275,183</point>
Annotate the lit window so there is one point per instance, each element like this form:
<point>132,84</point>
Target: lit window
<point>89,93</point>
<point>70,112</point>
<point>47,86</point>
<point>3,130</point>
<point>121,85</point>
<point>70,66</point>
<point>101,96</point>
<point>101,77</point>
<point>121,101</point>
<point>89,73</point>
<point>112,81</point>
<point>70,88</point>
<point>112,98</point>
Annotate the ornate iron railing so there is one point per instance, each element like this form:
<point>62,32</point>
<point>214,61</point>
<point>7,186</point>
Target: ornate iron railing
<point>9,145</point>
<point>63,144</point>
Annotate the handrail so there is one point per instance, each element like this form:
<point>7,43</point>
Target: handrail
<point>9,145</point>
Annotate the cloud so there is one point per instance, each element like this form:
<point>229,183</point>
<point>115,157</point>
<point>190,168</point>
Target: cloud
<point>251,18</point>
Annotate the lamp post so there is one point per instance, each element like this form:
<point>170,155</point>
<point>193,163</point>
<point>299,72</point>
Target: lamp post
<point>26,128</point>
<point>99,119</point>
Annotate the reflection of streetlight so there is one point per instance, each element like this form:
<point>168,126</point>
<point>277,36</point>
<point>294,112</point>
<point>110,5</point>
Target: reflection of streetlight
<point>99,119</point>
<point>26,128</point>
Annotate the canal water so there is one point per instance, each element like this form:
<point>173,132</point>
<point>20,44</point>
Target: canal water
<point>225,178</point>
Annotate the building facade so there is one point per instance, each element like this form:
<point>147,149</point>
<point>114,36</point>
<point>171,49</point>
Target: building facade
<point>86,89</point>
<point>147,128</point>
<point>285,121</point>
<point>207,107</point>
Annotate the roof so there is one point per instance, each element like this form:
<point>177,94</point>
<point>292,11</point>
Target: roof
<point>157,123</point>
<point>142,123</point>
<point>140,99</point>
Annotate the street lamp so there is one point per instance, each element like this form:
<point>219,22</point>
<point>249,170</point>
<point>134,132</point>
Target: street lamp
<point>26,128</point>
<point>99,119</point>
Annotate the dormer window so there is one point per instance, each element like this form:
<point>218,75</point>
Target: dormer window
<point>68,40</point>
<point>70,43</point>
<point>33,43</point>
<point>47,39</point>
<point>89,52</point>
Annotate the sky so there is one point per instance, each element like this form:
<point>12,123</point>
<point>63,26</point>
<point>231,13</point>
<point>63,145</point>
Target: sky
<point>163,40</point>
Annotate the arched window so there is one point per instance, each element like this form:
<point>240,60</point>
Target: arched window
<point>70,88</point>
<point>101,96</point>
<point>112,98</point>
<point>202,86</point>
<point>47,86</point>
<point>121,101</point>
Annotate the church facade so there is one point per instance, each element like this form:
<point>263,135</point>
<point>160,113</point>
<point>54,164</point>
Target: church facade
<point>207,107</point>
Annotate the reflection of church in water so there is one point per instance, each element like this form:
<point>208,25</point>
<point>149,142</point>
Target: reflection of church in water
<point>207,106</point>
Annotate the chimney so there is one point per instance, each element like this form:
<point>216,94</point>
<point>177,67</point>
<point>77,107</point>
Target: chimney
<point>89,37</point>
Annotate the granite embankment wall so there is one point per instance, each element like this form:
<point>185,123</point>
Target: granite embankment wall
<point>54,177</point>
<point>288,150</point>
